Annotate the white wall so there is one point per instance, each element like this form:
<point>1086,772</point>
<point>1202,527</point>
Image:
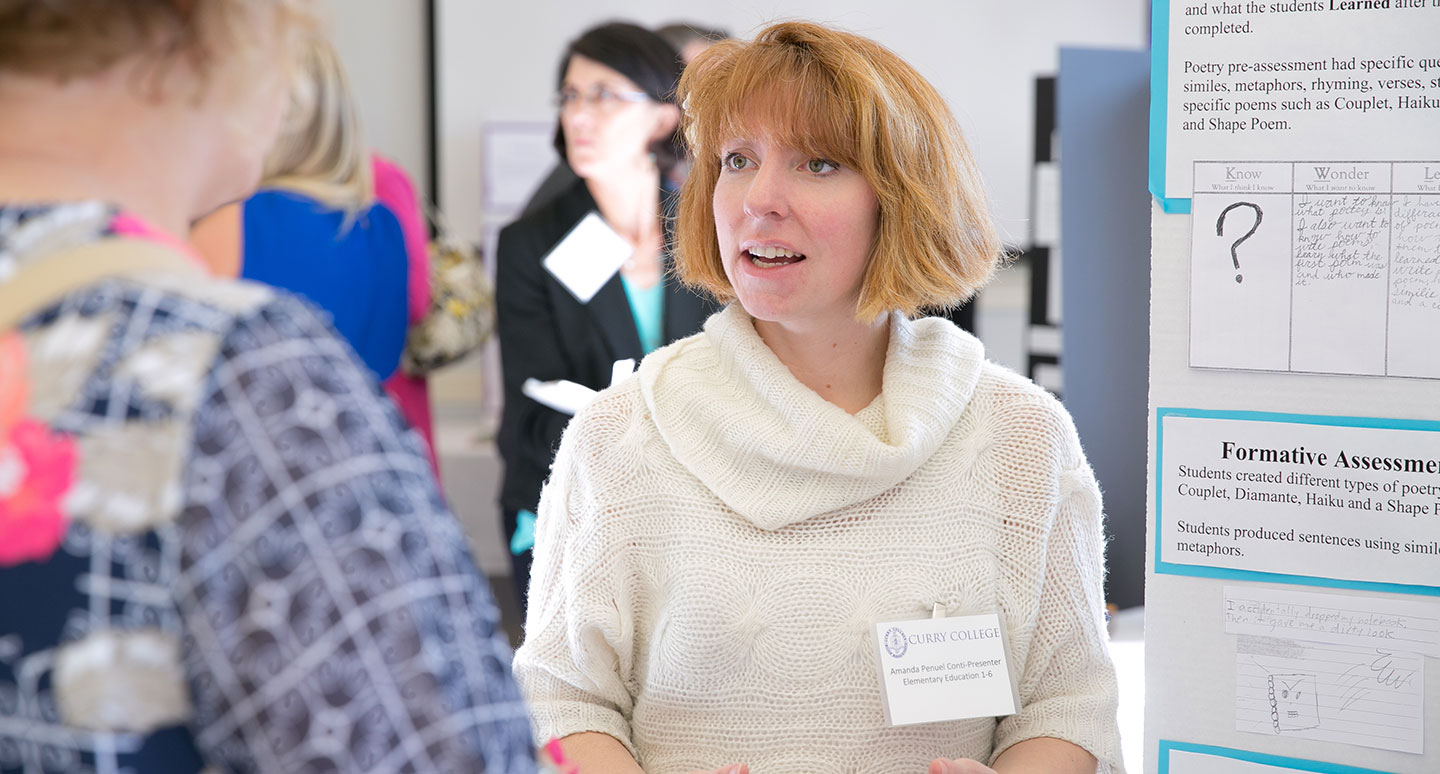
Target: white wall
<point>497,61</point>
<point>382,43</point>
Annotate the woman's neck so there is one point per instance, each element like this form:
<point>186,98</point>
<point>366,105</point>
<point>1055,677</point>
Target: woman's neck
<point>843,362</point>
<point>93,139</point>
<point>629,201</point>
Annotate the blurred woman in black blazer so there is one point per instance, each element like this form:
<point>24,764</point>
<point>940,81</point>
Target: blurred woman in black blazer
<point>617,130</point>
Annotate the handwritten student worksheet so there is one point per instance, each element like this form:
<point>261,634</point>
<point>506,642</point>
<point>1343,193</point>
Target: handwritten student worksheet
<point>1318,267</point>
<point>1337,668</point>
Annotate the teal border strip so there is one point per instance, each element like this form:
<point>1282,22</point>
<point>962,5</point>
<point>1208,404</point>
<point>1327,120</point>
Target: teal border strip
<point>1295,764</point>
<point>1195,571</point>
<point>1159,94</point>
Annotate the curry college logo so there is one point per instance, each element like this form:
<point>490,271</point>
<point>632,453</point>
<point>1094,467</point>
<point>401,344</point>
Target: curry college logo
<point>895,642</point>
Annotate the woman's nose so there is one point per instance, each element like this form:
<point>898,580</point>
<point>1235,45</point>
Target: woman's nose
<point>582,118</point>
<point>767,195</point>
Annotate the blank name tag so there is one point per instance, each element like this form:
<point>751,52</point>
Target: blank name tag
<point>938,669</point>
<point>588,257</point>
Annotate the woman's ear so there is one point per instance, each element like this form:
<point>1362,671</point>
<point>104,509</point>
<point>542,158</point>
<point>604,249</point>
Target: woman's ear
<point>668,117</point>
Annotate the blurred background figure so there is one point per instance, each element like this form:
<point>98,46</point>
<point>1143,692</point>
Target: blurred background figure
<point>689,39</point>
<point>220,548</point>
<point>337,225</point>
<point>617,130</point>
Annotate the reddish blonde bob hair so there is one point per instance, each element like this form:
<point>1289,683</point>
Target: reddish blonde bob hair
<point>845,98</point>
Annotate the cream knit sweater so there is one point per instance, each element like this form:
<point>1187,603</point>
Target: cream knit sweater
<point>716,541</point>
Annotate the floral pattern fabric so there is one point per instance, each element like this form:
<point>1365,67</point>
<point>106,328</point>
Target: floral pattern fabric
<point>232,554</point>
<point>37,467</point>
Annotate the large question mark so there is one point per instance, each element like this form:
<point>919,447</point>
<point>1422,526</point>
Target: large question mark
<point>1220,231</point>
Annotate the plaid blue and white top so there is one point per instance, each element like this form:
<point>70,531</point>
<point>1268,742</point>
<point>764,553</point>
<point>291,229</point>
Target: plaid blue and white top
<point>225,551</point>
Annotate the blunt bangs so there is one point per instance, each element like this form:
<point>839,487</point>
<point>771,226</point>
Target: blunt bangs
<point>771,90</point>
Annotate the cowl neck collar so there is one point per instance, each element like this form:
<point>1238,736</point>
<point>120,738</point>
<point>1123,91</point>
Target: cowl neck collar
<point>777,453</point>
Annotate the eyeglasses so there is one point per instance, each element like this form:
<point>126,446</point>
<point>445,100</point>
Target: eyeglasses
<point>599,99</point>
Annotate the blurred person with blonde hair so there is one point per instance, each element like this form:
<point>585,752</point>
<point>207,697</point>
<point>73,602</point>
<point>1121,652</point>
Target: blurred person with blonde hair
<point>221,550</point>
<point>721,533</point>
<point>338,225</point>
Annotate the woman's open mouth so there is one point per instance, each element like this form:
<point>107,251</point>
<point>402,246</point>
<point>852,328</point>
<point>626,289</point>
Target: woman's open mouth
<point>771,257</point>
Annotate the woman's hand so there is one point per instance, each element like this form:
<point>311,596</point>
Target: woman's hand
<point>734,768</point>
<point>958,766</point>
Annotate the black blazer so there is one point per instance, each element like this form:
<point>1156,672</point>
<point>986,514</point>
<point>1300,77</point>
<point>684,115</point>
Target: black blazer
<point>547,334</point>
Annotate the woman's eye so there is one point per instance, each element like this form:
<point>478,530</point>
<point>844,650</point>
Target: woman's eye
<point>735,161</point>
<point>820,166</point>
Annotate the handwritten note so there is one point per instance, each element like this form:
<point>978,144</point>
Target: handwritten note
<point>1340,282</point>
<point>1316,267</point>
<point>1371,697</point>
<point>1365,622</point>
<point>1415,285</point>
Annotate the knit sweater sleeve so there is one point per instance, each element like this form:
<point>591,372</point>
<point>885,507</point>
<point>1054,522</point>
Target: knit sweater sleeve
<point>574,664</point>
<point>1067,686</point>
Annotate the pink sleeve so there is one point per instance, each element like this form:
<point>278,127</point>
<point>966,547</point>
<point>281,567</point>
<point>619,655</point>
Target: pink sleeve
<point>394,190</point>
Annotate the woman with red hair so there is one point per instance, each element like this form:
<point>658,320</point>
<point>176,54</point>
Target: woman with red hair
<point>721,534</point>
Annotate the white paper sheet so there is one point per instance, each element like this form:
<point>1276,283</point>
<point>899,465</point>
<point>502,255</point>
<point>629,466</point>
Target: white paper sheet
<point>1371,697</point>
<point>1251,80</point>
<point>1200,763</point>
<point>1316,267</point>
<point>516,157</point>
<point>1191,762</point>
<point>1046,229</point>
<point>562,395</point>
<point>1415,273</point>
<point>569,397</point>
<point>588,257</point>
<point>621,369</point>
<point>1365,622</point>
<point>1305,498</point>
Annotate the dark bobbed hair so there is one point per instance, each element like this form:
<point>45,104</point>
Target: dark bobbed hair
<point>643,57</point>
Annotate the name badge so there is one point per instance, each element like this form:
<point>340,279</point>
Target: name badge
<point>588,257</point>
<point>938,669</point>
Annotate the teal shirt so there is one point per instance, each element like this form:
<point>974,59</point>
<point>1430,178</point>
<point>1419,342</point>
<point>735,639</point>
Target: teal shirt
<point>648,308</point>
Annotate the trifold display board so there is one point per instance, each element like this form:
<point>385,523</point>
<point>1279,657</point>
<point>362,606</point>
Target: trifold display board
<point>1293,570</point>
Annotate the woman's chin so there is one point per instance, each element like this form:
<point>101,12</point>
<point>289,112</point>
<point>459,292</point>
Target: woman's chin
<point>590,167</point>
<point>769,310</point>
<point>585,165</point>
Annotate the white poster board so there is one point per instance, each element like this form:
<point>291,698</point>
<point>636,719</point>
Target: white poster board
<point>1293,576</point>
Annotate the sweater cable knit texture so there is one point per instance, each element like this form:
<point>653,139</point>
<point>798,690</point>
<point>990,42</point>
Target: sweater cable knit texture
<point>716,542</point>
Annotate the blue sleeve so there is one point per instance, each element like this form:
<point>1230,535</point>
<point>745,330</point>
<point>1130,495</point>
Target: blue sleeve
<point>334,618</point>
<point>354,267</point>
